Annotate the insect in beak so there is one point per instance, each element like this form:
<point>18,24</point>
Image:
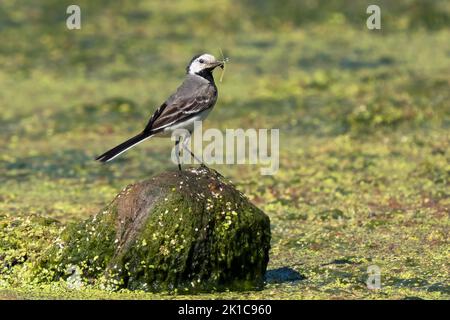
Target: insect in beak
<point>223,62</point>
<point>222,65</point>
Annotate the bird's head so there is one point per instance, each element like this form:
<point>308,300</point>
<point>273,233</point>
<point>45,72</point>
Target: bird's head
<point>203,62</point>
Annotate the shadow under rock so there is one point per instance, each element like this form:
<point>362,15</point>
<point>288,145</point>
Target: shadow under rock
<point>282,275</point>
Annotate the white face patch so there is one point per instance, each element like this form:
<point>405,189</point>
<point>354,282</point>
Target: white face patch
<point>202,62</point>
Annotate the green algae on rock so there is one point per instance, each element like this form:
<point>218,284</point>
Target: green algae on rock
<point>178,231</point>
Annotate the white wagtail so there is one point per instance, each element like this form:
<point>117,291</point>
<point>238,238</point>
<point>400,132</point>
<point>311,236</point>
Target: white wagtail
<point>192,101</point>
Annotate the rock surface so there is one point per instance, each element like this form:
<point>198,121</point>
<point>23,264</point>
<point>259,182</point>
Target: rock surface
<point>188,231</point>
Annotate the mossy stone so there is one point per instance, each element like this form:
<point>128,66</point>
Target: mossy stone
<point>178,231</point>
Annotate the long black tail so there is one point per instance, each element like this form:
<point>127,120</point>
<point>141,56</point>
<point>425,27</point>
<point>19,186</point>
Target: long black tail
<point>124,146</point>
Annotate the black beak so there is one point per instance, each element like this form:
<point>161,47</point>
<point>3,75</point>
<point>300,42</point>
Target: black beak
<point>216,64</point>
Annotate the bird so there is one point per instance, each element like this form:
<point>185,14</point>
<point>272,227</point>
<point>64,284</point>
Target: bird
<point>192,101</point>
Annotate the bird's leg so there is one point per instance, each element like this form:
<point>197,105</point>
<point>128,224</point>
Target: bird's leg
<point>178,151</point>
<point>185,147</point>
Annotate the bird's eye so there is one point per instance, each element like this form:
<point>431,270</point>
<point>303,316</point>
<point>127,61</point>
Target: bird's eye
<point>201,61</point>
